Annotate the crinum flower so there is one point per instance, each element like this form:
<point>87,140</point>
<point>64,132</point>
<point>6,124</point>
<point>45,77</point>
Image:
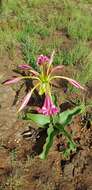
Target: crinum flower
<point>43,78</point>
<point>48,107</point>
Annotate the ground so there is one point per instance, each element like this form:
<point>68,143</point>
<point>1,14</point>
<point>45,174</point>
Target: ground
<point>26,30</point>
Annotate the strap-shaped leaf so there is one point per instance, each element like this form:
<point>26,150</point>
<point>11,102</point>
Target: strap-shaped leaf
<point>40,119</point>
<point>66,116</point>
<point>51,132</point>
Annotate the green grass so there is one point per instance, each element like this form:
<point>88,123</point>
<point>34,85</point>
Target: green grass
<point>76,55</point>
<point>85,73</point>
<point>79,26</point>
<point>42,25</point>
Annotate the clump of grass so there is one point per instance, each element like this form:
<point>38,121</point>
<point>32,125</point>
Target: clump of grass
<point>7,42</point>
<point>35,24</point>
<point>82,73</point>
<point>75,21</point>
<point>79,27</point>
<point>86,1</point>
<point>74,56</point>
<point>30,49</point>
<point>85,74</point>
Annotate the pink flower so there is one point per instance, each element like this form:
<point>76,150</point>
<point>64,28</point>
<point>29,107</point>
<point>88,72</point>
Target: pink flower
<point>27,98</point>
<point>24,66</point>
<point>48,107</point>
<point>12,81</point>
<point>76,84</point>
<point>27,67</point>
<point>25,101</point>
<point>57,68</point>
<point>42,59</point>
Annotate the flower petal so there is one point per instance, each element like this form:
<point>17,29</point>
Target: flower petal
<point>27,67</point>
<point>24,66</point>
<point>42,59</point>
<point>50,61</point>
<point>25,101</point>
<point>34,72</point>
<point>73,82</point>
<point>27,97</point>
<point>56,68</point>
<point>52,57</point>
<point>76,84</point>
<point>12,81</point>
<point>48,107</point>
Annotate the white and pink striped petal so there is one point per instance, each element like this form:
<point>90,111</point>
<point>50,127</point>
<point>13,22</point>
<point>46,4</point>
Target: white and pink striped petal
<point>54,69</point>
<point>25,101</point>
<point>13,80</point>
<point>24,67</point>
<point>27,67</point>
<point>75,83</point>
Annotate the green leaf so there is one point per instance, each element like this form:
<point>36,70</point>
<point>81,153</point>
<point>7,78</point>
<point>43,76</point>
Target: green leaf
<point>71,143</point>
<point>71,147</point>
<point>66,116</point>
<point>64,119</point>
<point>54,99</point>
<point>64,132</point>
<point>40,119</point>
<point>51,132</point>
